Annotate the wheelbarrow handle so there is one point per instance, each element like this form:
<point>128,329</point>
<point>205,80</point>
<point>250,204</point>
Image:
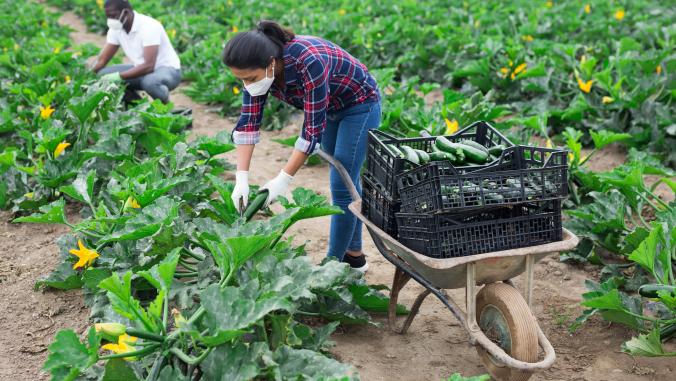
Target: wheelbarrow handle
<point>342,172</point>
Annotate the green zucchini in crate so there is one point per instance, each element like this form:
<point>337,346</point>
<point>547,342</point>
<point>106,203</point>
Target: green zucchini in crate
<point>530,174</point>
<point>384,162</point>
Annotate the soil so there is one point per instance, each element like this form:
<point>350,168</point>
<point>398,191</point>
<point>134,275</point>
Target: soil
<point>435,347</point>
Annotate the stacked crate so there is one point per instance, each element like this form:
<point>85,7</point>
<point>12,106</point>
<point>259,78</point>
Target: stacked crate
<point>444,211</point>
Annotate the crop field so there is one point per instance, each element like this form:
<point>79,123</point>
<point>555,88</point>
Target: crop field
<point>122,256</point>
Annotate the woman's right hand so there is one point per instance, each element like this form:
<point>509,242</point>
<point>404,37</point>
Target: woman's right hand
<point>241,190</point>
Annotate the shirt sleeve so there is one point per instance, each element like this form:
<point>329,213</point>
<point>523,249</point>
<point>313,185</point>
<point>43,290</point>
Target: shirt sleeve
<point>152,34</point>
<point>314,75</point>
<point>112,38</point>
<point>247,130</point>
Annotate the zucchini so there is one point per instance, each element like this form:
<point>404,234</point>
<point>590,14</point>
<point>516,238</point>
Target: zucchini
<point>650,290</point>
<point>423,156</point>
<point>496,150</point>
<point>469,153</point>
<point>256,204</point>
<point>474,154</point>
<point>437,156</point>
<point>474,144</point>
<point>396,151</point>
<point>409,154</point>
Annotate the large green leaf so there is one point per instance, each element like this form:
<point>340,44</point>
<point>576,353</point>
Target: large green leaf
<point>82,108</point>
<point>49,214</point>
<point>68,357</point>
<point>308,365</point>
<point>118,370</point>
<point>653,255</point>
<point>161,275</point>
<point>148,222</point>
<point>122,301</point>
<point>221,143</point>
<point>236,362</point>
<point>62,278</point>
<point>647,345</point>
<point>604,137</point>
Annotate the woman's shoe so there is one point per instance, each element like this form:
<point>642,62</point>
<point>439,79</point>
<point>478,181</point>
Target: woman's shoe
<point>357,263</point>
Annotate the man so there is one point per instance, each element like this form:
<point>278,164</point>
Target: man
<point>156,67</point>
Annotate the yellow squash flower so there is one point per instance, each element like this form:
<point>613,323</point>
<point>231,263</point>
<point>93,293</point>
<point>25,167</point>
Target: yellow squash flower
<point>520,68</point>
<point>57,50</point>
<point>235,29</point>
<point>342,12</point>
<point>179,320</point>
<point>67,79</point>
<point>16,46</point>
<point>451,126</point>
<point>131,203</point>
<point>527,38</point>
<point>60,148</point>
<point>607,100</point>
<point>619,14</point>
<point>477,23</point>
<point>587,8</point>
<point>503,72</point>
<point>86,256</point>
<point>658,69</point>
<point>124,345</point>
<point>585,86</point>
<point>172,33</point>
<point>46,112</point>
<point>549,144</point>
<point>235,90</point>
<point>99,3</point>
<point>549,4</point>
<point>29,195</point>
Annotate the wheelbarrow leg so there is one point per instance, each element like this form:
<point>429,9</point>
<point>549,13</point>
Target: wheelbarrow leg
<point>414,310</point>
<point>398,282</point>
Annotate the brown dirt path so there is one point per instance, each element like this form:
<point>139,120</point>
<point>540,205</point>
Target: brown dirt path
<point>435,347</point>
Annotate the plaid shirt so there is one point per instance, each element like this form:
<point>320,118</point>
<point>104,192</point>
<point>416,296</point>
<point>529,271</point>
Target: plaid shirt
<point>319,77</point>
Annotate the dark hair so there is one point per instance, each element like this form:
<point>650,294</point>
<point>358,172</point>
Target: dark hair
<point>117,4</point>
<point>253,49</point>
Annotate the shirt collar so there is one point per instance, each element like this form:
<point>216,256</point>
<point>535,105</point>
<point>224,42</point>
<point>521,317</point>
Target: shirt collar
<point>136,24</point>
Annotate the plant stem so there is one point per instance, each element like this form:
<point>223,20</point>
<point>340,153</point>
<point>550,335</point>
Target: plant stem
<point>659,200</point>
<point>157,366</point>
<point>139,353</point>
<point>145,335</point>
<point>193,255</point>
<point>191,274</point>
<point>189,359</point>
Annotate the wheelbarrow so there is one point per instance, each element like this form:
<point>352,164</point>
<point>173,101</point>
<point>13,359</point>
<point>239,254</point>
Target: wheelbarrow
<point>498,317</point>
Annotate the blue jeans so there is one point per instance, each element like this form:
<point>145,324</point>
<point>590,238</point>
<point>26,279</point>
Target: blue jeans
<point>157,84</point>
<point>345,137</point>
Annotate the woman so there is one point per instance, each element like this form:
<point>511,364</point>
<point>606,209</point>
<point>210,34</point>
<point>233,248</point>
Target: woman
<point>341,103</point>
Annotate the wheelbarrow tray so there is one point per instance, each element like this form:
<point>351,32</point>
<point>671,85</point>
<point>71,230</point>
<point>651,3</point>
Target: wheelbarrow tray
<point>451,273</point>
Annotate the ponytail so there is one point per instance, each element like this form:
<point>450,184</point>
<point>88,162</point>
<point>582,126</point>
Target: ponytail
<point>255,48</point>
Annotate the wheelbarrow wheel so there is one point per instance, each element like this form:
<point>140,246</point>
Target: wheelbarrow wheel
<point>504,316</point>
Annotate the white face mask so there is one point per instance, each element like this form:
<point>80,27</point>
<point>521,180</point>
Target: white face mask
<point>261,87</point>
<point>116,24</point>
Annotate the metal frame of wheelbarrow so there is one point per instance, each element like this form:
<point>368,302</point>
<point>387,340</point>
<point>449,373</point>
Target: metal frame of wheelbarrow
<point>435,275</point>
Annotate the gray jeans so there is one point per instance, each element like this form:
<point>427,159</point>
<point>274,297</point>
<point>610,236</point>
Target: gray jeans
<point>157,84</point>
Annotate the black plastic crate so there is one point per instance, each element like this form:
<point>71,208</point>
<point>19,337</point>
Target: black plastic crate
<point>458,235</point>
<point>383,166</point>
<point>378,207</point>
<point>526,174</point>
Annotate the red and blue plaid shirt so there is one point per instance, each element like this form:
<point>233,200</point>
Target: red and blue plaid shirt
<point>319,77</point>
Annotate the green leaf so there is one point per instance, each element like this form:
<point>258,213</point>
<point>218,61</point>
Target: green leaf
<point>170,373</point>
<point>49,214</point>
<point>93,276</point>
<point>62,278</point>
<point>148,222</point>
<point>84,185</point>
<point>647,345</point>
<point>652,255</point>
<point>162,274</point>
<point>604,137</point>
<point>303,364</point>
<point>118,370</point>
<point>370,299</point>
<point>231,310</point>
<point>122,302</point>
<point>236,362</point>
<point>221,143</point>
<point>114,148</point>
<point>68,357</point>
<point>459,377</point>
<point>84,108</point>
<point>230,254</point>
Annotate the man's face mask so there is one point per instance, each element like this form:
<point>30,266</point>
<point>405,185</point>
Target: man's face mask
<point>117,24</point>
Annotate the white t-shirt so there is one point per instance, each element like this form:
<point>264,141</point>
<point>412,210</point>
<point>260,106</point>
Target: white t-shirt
<point>145,31</point>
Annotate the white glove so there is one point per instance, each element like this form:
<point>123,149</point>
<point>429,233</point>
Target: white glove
<point>241,189</point>
<point>277,186</point>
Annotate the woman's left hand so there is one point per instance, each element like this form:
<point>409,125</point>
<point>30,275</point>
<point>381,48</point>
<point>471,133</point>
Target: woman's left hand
<point>277,187</point>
